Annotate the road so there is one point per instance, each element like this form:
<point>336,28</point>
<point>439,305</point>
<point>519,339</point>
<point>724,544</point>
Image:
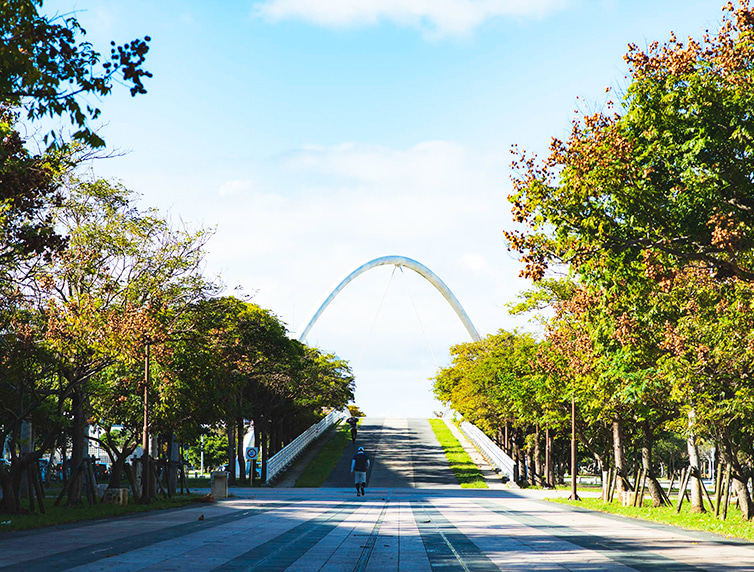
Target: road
<point>413,518</point>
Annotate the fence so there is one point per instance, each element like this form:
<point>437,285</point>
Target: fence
<point>283,458</point>
<point>495,456</point>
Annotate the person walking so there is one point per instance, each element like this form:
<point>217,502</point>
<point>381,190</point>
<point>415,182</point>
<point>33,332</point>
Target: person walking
<point>359,467</point>
<point>353,422</point>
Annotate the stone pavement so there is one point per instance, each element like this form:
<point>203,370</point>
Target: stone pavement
<point>389,529</point>
<point>414,517</point>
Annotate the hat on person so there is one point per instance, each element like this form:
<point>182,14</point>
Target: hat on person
<point>360,449</point>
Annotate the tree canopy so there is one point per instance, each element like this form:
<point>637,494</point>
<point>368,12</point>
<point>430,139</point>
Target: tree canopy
<point>665,179</point>
<point>646,211</point>
<point>49,69</point>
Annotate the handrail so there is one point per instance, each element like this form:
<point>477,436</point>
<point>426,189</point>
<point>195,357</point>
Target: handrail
<point>283,458</point>
<point>495,456</point>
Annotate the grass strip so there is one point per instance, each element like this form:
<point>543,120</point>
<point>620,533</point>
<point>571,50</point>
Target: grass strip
<point>734,526</point>
<point>468,474</point>
<point>67,514</point>
<point>320,467</point>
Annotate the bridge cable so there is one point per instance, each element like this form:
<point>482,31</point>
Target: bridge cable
<point>374,321</point>
<point>418,318</point>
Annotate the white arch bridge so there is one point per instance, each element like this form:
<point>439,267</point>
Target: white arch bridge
<point>399,261</point>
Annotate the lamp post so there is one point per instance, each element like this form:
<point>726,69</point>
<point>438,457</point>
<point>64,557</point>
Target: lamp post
<point>145,468</point>
<point>574,469</point>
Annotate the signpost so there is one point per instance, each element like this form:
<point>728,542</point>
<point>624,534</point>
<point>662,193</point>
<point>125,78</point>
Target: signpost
<point>251,454</point>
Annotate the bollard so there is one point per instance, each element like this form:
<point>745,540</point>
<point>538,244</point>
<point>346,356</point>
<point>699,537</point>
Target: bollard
<point>629,497</point>
<point>219,484</point>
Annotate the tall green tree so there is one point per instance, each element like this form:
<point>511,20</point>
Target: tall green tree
<point>49,69</point>
<point>116,287</point>
<point>668,177</point>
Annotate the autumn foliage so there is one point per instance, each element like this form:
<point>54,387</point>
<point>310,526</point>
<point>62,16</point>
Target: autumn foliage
<point>646,210</point>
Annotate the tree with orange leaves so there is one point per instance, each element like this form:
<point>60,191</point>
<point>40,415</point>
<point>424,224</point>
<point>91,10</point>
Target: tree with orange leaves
<point>670,176</point>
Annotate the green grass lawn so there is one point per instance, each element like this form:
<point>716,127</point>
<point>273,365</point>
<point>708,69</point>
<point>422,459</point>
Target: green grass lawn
<point>733,526</point>
<point>320,467</point>
<point>64,514</point>
<point>468,474</point>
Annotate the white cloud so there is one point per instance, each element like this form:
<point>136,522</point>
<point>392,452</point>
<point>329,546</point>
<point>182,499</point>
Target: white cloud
<point>431,165</point>
<point>442,17</point>
<point>313,215</point>
<point>234,187</point>
<point>333,208</point>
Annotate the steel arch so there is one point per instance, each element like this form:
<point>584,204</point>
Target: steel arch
<point>399,261</point>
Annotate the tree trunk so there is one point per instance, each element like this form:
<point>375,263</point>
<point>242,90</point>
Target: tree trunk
<point>741,490</point>
<point>530,466</point>
<point>240,453</point>
<point>738,480</point>
<point>77,448</point>
<point>507,441</point>
<point>231,453</point>
<point>655,491</point>
<point>64,461</point>
<point>116,471</point>
<point>619,456</point>
<point>264,450</point>
<point>697,499</point>
<point>10,503</point>
<point>26,444</point>
<point>519,458</point>
<point>274,437</point>
<point>538,458</point>
<point>173,464</point>
<point>548,459</point>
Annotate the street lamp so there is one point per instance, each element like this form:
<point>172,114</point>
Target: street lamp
<point>145,468</point>
<point>574,495</point>
<point>146,476</point>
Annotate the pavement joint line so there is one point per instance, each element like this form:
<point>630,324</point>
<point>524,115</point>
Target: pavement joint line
<point>345,538</point>
<point>366,552</point>
<point>467,556</point>
<point>87,554</point>
<point>303,537</point>
<point>616,550</point>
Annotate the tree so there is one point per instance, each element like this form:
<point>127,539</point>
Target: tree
<point>28,191</point>
<point>669,178</point>
<point>710,363</point>
<point>237,366</point>
<point>652,209</point>
<point>30,395</point>
<point>215,450</point>
<point>49,69</point>
<point>120,283</point>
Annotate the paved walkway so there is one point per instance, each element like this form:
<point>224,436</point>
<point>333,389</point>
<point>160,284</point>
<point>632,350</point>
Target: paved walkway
<point>414,517</point>
<point>404,453</point>
<point>388,530</point>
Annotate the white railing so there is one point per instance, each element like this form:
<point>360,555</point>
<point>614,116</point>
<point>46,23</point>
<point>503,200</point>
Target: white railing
<point>495,456</point>
<point>283,458</point>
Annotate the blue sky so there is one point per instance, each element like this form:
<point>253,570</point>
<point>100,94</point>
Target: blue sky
<point>316,135</point>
